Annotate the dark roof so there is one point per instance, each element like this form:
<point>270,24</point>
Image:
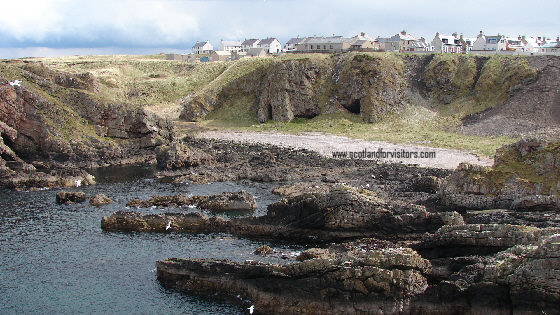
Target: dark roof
<point>295,40</point>
<point>328,40</point>
<point>200,44</point>
<point>249,42</point>
<point>266,41</point>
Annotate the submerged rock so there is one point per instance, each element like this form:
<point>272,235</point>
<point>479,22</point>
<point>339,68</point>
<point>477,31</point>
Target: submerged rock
<point>69,197</point>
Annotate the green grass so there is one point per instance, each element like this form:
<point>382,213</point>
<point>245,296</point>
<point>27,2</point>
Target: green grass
<point>413,125</point>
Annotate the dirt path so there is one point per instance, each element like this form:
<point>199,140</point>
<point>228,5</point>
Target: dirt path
<point>326,144</point>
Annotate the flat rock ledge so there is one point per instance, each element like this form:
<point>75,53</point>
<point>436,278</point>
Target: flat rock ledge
<point>343,212</point>
<point>370,277</point>
<point>385,279</point>
<point>226,201</point>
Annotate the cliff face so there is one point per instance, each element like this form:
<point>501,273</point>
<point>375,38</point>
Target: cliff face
<point>481,89</point>
<point>53,120</point>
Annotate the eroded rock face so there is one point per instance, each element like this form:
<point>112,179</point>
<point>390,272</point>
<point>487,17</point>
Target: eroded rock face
<point>531,272</point>
<point>379,279</point>
<point>525,177</point>
<point>54,120</point>
<point>346,208</point>
<point>177,155</point>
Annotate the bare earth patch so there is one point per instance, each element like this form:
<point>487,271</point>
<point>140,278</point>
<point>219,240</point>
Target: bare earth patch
<point>326,144</point>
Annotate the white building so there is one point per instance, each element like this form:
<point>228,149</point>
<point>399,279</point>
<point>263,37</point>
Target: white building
<point>248,44</point>
<point>202,48</point>
<point>531,44</point>
<point>489,43</point>
<point>230,46</point>
<point>451,43</point>
<point>514,44</point>
<point>291,44</point>
<point>270,45</point>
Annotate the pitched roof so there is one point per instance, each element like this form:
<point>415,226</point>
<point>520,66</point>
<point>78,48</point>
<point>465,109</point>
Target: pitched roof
<point>295,40</point>
<point>250,42</point>
<point>267,41</point>
<point>551,45</point>
<point>200,44</point>
<point>328,40</point>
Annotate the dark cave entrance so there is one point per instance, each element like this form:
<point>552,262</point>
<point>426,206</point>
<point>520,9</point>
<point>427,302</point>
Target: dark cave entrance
<point>354,107</point>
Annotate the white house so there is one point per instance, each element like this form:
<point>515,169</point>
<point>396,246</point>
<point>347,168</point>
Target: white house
<point>489,43</point>
<point>202,48</point>
<point>229,46</point>
<point>248,44</point>
<point>452,43</point>
<point>270,45</point>
<point>531,44</point>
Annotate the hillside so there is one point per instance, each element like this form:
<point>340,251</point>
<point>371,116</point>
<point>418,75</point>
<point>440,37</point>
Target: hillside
<point>103,110</point>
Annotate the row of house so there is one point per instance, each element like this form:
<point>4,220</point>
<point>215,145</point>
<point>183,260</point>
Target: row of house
<point>269,45</point>
<point>401,42</point>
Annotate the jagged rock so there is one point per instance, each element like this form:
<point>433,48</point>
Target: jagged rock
<point>315,253</point>
<point>178,155</point>
<point>380,279</point>
<point>477,239</point>
<point>226,201</point>
<point>532,274</point>
<point>264,250</point>
<point>69,197</point>
<point>525,176</point>
<point>99,200</point>
<point>346,208</point>
<point>429,184</point>
<point>503,216</point>
<point>536,203</point>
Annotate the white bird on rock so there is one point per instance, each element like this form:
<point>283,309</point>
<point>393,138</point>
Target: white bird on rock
<point>168,225</point>
<point>78,182</point>
<point>15,83</point>
<point>251,309</point>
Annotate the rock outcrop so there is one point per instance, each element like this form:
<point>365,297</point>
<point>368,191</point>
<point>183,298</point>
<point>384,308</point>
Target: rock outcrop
<point>353,283</point>
<point>99,200</point>
<point>525,177</point>
<point>226,201</point>
<point>177,155</point>
<point>69,197</point>
<point>341,213</point>
<point>55,122</point>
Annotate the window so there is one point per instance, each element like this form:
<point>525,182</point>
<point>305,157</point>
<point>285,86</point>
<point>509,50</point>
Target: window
<point>331,47</point>
<point>444,40</point>
<point>311,46</point>
<point>324,47</point>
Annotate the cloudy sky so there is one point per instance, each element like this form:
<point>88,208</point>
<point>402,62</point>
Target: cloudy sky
<point>67,27</point>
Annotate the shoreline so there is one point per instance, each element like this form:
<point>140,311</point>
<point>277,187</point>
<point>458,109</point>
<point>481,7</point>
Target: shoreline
<point>325,144</point>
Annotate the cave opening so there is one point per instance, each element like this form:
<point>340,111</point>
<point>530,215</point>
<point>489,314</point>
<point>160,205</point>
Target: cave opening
<point>354,107</point>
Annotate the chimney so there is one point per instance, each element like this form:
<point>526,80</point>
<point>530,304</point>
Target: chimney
<point>454,34</point>
<point>363,34</point>
<point>480,34</point>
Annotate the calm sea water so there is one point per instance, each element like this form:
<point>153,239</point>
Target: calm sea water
<point>55,259</point>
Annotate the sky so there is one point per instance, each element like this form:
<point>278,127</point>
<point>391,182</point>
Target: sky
<point>71,27</point>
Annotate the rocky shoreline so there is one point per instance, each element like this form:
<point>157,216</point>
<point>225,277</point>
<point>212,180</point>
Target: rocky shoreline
<point>388,243</point>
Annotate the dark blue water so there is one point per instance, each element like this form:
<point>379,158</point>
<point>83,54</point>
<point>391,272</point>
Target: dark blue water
<point>56,259</point>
